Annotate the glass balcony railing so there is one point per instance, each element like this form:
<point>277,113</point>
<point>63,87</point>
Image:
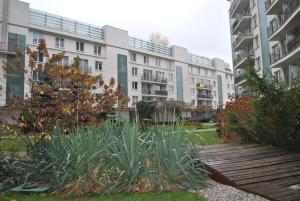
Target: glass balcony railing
<point>155,93</point>
<point>149,46</point>
<point>154,79</point>
<point>276,24</point>
<point>59,23</point>
<point>201,60</point>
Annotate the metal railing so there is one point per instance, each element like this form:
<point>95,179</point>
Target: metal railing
<point>268,4</point>
<point>204,96</point>
<point>240,38</point>
<point>201,60</point>
<point>5,47</point>
<point>239,18</point>
<point>276,24</point>
<point>283,52</point>
<point>239,78</point>
<point>149,46</point>
<point>204,86</point>
<point>234,6</point>
<point>155,93</point>
<point>242,56</point>
<point>154,79</point>
<point>59,23</point>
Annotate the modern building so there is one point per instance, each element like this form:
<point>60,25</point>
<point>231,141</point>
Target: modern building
<point>248,25</point>
<point>284,37</point>
<point>144,70</point>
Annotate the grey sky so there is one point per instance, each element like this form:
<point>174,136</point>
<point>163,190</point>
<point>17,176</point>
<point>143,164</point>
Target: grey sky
<point>202,26</point>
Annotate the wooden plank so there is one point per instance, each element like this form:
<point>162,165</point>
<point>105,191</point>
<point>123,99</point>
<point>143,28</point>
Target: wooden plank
<point>226,148</point>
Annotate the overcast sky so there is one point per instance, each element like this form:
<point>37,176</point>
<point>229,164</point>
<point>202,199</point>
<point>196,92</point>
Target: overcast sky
<point>201,26</point>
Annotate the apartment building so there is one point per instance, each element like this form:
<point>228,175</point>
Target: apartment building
<point>284,37</point>
<point>143,69</point>
<point>248,25</point>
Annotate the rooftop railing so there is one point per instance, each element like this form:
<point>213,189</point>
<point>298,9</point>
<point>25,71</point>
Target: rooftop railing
<point>59,23</point>
<point>276,24</point>
<point>201,60</point>
<point>149,46</point>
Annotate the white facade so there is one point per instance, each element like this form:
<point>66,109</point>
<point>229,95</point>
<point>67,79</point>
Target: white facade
<point>153,71</point>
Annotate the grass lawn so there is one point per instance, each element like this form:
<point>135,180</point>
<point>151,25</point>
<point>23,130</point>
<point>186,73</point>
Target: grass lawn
<point>174,196</point>
<point>205,138</point>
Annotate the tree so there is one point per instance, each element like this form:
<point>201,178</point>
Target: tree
<point>62,95</point>
<point>159,38</point>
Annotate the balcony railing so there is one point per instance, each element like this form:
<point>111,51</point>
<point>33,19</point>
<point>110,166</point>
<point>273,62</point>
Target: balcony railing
<point>240,17</point>
<point>202,96</point>
<point>269,3</point>
<point>240,38</point>
<point>233,6</point>
<point>155,93</point>
<point>242,56</point>
<point>204,86</point>
<point>86,69</point>
<point>154,79</point>
<point>276,24</point>
<point>239,78</point>
<point>12,49</point>
<point>283,52</point>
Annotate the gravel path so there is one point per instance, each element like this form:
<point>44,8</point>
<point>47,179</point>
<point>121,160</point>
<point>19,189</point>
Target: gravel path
<point>219,192</point>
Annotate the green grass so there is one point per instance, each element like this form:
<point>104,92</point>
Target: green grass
<point>174,196</point>
<point>205,138</point>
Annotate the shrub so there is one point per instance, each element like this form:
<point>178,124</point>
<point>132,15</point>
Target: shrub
<point>116,158</point>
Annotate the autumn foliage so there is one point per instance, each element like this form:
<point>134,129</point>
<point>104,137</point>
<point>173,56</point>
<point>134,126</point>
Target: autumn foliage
<point>63,95</point>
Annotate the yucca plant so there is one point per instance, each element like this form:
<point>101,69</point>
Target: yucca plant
<point>117,158</point>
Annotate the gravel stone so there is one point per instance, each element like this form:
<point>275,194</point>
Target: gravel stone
<point>220,192</point>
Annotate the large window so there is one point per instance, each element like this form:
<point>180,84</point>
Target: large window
<point>146,59</point>
<point>59,42</point>
<point>171,76</point>
<point>64,61</point>
<point>80,46</point>
<point>157,61</point>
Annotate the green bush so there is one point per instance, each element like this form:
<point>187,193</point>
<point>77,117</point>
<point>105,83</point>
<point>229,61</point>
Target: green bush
<point>116,158</point>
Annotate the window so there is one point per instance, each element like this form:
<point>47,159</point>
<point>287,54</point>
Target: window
<point>80,46</point>
<point>98,65</point>
<point>39,57</point>
<point>257,63</point>
<point>254,21</point>
<point>228,86</point>
<point>214,93</point>
<point>214,83</point>
<point>206,73</point>
<point>64,61</point>
<point>171,89</point>
<point>193,102</point>
<point>256,42</point>
<point>37,38</point>
<point>134,71</point>
<point>192,80</point>
<point>134,85</point>
<point>157,62</point>
<point>193,91</point>
<point>135,99</point>
<point>146,59</point>
<point>84,66</point>
<point>59,42</point>
<point>171,77</point>
<point>97,50</point>
<point>133,57</point>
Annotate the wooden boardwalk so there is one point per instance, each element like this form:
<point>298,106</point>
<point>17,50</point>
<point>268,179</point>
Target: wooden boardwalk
<point>263,170</point>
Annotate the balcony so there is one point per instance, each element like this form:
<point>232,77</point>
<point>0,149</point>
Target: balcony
<point>155,93</point>
<point>239,79</point>
<point>86,69</point>
<point>242,41</point>
<point>238,5</point>
<point>202,96</point>
<point>286,21</point>
<point>202,86</point>
<point>5,48</point>
<point>241,59</point>
<point>242,22</point>
<point>274,7</point>
<point>288,55</point>
<point>154,80</point>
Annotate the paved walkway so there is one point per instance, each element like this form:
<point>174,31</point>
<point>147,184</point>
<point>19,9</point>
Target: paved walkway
<point>263,170</point>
